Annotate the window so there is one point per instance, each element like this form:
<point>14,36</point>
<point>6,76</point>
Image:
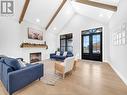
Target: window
<point>66,42</point>
<point>90,31</point>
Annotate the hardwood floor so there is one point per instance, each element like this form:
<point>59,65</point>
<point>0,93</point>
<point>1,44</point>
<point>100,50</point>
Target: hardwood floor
<point>90,78</point>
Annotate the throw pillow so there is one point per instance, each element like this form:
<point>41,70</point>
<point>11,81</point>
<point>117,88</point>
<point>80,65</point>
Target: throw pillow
<point>2,60</point>
<point>13,63</point>
<point>65,54</point>
<point>2,56</point>
<point>58,53</point>
<point>22,64</point>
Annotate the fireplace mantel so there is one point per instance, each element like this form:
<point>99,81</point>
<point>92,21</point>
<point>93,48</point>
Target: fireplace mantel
<point>32,45</point>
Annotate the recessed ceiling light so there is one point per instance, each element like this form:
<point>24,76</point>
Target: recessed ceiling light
<point>37,20</point>
<point>54,29</point>
<point>109,16</point>
<point>101,15</point>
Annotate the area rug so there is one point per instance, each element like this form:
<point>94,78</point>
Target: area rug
<point>50,78</point>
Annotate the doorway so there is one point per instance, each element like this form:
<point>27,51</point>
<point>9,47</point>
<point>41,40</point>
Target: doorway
<point>92,44</point>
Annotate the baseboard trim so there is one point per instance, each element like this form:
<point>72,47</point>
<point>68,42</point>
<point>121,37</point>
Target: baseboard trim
<point>106,61</point>
<point>120,75</point>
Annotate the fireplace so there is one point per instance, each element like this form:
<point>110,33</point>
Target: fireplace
<point>35,57</point>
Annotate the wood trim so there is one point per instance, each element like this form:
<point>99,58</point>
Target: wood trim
<point>29,45</point>
<point>56,13</point>
<point>24,10</point>
<point>99,5</point>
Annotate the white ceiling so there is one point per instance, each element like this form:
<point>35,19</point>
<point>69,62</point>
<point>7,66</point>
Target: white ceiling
<point>95,13</point>
<point>18,5</point>
<point>42,10</point>
<point>62,18</point>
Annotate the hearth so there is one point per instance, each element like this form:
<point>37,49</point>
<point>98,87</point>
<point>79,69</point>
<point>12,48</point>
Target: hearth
<point>35,57</point>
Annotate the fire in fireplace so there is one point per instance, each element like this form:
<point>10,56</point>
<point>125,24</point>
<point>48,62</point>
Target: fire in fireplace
<point>35,57</point>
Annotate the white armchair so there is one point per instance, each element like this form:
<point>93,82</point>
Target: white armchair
<point>64,67</point>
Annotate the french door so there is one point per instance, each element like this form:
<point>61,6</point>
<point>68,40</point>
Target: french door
<point>92,46</point>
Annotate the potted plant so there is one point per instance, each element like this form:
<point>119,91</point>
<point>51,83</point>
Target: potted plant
<point>58,49</point>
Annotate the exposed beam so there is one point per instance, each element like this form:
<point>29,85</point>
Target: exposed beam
<point>97,4</point>
<point>24,10</point>
<point>56,13</point>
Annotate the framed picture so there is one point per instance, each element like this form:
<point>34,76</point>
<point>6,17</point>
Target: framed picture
<point>35,34</point>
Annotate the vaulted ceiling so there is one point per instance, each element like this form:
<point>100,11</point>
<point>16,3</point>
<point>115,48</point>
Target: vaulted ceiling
<point>99,14</point>
<point>40,12</point>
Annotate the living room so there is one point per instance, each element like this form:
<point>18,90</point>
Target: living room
<point>36,30</point>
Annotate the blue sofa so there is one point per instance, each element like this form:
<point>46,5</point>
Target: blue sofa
<point>14,77</point>
<point>60,57</point>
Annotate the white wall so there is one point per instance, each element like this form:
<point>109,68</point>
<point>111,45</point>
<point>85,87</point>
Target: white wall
<point>51,42</point>
<point>12,34</point>
<point>24,38</point>
<point>59,22</point>
<point>119,53</point>
<point>79,23</point>
<point>10,37</point>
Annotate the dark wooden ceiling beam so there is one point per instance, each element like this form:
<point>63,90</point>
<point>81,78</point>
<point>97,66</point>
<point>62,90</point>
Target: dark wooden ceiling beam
<point>99,5</point>
<point>56,13</point>
<point>24,10</point>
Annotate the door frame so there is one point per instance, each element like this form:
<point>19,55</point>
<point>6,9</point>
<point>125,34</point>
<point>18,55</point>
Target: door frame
<point>101,42</point>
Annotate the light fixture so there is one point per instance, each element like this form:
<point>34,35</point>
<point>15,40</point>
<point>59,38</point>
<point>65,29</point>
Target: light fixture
<point>37,20</point>
<point>101,15</point>
<point>54,29</point>
<point>109,16</point>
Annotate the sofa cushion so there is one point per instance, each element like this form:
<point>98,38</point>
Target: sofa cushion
<point>65,53</point>
<point>13,63</point>
<point>58,53</point>
<point>61,53</point>
<point>69,54</point>
<point>2,60</point>
<point>59,57</point>
<point>22,64</point>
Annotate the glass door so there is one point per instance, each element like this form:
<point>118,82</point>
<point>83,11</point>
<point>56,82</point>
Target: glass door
<point>86,44</point>
<point>92,46</point>
<point>96,46</point>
